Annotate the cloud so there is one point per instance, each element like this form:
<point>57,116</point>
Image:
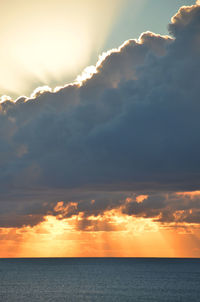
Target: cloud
<point>132,125</point>
<point>164,207</point>
<point>18,221</point>
<point>167,208</point>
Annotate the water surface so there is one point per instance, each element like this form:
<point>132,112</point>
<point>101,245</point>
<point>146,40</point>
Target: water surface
<point>100,279</point>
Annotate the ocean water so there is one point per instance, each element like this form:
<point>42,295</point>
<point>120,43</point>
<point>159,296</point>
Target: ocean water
<point>99,279</point>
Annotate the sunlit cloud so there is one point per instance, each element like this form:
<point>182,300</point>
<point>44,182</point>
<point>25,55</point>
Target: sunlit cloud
<point>111,234</point>
<point>39,91</point>
<point>5,98</point>
<point>192,195</point>
<point>87,73</point>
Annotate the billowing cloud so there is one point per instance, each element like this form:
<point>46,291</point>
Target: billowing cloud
<point>132,126</point>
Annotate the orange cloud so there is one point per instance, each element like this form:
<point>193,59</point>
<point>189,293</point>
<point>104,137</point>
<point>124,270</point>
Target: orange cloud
<point>141,198</point>
<point>191,195</point>
<point>110,234</point>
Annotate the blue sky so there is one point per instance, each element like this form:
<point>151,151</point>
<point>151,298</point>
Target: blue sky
<point>138,16</point>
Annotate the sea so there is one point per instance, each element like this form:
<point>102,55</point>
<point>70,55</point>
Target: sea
<point>100,279</point>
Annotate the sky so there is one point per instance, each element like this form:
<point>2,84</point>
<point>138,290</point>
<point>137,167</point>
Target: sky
<point>99,128</point>
<point>41,40</point>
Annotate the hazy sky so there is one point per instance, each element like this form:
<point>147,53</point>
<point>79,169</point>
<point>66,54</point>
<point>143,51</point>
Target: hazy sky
<point>50,42</point>
<point>107,165</point>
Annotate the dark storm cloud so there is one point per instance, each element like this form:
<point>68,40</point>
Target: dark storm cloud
<point>163,207</point>
<point>18,221</point>
<point>166,208</point>
<point>134,125</point>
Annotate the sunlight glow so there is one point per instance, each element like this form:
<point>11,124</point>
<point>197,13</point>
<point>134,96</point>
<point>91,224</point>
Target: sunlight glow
<point>110,234</point>
<point>86,74</point>
<point>50,42</point>
<point>192,194</point>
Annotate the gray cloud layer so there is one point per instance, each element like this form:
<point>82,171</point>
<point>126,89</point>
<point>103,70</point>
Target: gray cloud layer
<point>133,126</point>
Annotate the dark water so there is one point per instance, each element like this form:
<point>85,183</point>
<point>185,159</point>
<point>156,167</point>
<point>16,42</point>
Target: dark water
<point>100,279</point>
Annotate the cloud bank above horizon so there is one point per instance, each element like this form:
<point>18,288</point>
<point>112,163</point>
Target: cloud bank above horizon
<point>129,127</point>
